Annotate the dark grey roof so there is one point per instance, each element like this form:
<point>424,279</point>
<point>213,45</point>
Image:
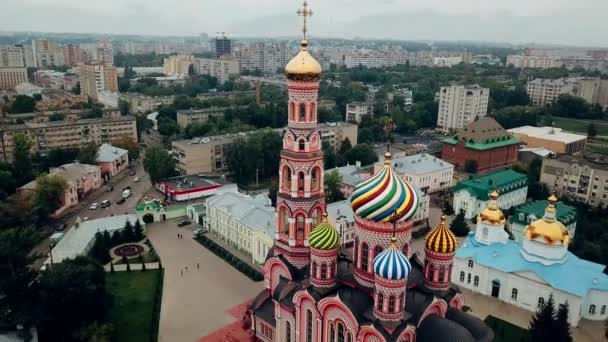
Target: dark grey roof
<point>266,311</point>
<point>438,329</point>
<point>357,301</point>
<point>416,303</point>
<point>480,331</point>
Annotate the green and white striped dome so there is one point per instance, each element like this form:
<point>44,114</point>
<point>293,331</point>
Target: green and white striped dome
<point>324,236</point>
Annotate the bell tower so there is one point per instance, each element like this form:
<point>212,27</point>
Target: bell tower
<point>301,199</point>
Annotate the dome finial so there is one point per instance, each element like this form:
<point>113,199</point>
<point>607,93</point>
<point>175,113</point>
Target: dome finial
<point>305,13</point>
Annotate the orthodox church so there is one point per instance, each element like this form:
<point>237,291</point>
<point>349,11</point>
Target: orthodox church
<point>376,292</point>
<point>525,274</point>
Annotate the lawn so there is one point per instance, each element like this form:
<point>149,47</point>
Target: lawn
<point>580,126</point>
<point>505,331</point>
<point>136,304</point>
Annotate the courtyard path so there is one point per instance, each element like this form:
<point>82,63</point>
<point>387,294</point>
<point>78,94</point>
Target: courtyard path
<point>196,303</point>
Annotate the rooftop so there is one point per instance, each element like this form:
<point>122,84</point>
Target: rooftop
<point>191,182</point>
<point>503,181</point>
<point>341,210</point>
<point>76,241</point>
<point>108,153</point>
<point>483,134</point>
<point>255,212</point>
<point>419,164</point>
<point>565,213</point>
<point>595,161</point>
<point>548,133</point>
<point>351,174</point>
<point>508,258</point>
<point>540,151</point>
<point>69,172</point>
<point>80,122</point>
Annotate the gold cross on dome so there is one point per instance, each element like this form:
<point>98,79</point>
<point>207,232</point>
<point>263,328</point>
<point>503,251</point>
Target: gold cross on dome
<point>304,12</point>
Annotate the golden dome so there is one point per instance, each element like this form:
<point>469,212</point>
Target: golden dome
<point>548,228</point>
<point>492,214</point>
<point>303,65</point>
<point>441,239</point>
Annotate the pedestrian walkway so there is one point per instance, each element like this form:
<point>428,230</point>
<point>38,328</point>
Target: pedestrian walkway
<point>134,267</point>
<point>244,257</point>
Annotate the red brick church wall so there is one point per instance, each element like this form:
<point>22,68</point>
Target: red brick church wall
<point>487,160</point>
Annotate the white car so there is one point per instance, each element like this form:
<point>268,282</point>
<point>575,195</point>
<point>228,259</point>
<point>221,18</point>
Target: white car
<point>94,206</point>
<point>136,179</point>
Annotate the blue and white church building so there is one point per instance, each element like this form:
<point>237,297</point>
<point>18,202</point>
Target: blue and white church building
<point>525,274</point>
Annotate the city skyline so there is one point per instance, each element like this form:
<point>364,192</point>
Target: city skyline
<point>517,21</point>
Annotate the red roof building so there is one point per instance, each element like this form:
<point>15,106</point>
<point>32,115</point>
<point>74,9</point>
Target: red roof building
<point>483,141</point>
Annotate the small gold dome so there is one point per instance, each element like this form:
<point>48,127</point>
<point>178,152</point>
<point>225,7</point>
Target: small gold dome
<point>548,228</point>
<point>492,214</point>
<point>303,65</point>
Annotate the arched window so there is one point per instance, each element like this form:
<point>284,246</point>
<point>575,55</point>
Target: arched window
<point>300,227</point>
<point>349,337</point>
<point>514,294</point>
<point>541,301</point>
<point>431,272</point>
<point>377,250</point>
<point>323,271</point>
<point>484,233</point>
<point>301,145</point>
<point>380,304</point>
<point>441,273</point>
<point>309,325</point>
<point>301,181</point>
<point>292,111</point>
<point>286,173</point>
<point>340,332</point>
<point>592,309</point>
<point>356,249</point>
<point>603,310</point>
<point>476,281</point>
<point>313,112</point>
<point>315,179</point>
<point>470,263</point>
<point>461,277</point>
<point>391,304</point>
<point>331,332</point>
<point>283,221</point>
<point>288,331</point>
<point>364,256</point>
<point>469,278</point>
<point>302,112</point>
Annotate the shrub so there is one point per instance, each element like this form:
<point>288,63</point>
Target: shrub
<point>233,260</point>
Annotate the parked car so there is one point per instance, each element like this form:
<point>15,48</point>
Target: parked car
<point>109,188</point>
<point>184,223</point>
<point>198,232</point>
<point>106,203</point>
<point>61,226</point>
<point>121,200</point>
<point>136,179</point>
<point>94,206</point>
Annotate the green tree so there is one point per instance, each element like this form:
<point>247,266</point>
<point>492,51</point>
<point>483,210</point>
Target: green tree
<point>591,130</point>
<point>49,194</point>
<point>128,233</point>
<point>470,166</point>
<point>23,104</point>
<point>158,164</point>
<point>571,106</point>
<point>138,231</point>
<point>273,191</point>
<point>100,249</point>
<point>542,323</point>
<point>96,332</point>
<point>516,116</point>
<point>76,89</point>
<point>459,225</point>
<point>345,146</point>
<point>123,106</point>
<point>72,294</point>
<point>22,161</point>
<point>8,183</point>
<point>88,154</point>
<point>126,142</point>
<point>258,153</point>
<point>191,70</point>
<point>333,185</point>
<point>363,153</point>
<point>562,325</point>
<point>56,117</point>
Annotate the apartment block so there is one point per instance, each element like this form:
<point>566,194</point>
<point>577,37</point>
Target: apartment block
<point>139,103</point>
<point>263,56</point>
<point>12,56</point>
<point>543,92</point>
<point>72,55</point>
<point>375,58</point>
<point>460,105</point>
<point>532,62</point>
<point>97,78</point>
<point>68,133</point>
<point>10,77</point>
<point>177,65</point>
<point>47,53</point>
<point>191,116</point>
<point>334,133</point>
<point>423,171</point>
<point>222,69</point>
<point>355,111</point>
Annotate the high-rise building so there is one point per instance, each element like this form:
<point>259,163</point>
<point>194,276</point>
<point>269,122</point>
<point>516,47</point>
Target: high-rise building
<point>544,91</point>
<point>178,65</point>
<point>10,77</point>
<point>105,52</point>
<point>72,55</point>
<point>532,62</point>
<point>204,41</point>
<point>12,56</point>
<point>96,78</point>
<point>223,46</point>
<point>47,53</point>
<point>459,105</point>
<point>222,69</point>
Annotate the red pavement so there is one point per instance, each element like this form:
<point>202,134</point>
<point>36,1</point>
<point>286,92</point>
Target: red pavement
<point>231,332</point>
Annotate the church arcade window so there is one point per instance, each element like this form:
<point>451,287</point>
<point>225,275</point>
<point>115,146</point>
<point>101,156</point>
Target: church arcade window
<point>323,271</point>
<point>302,112</point>
<point>340,332</point>
<point>380,302</point>
<point>364,256</point>
<point>301,145</point>
<point>309,325</point>
<point>391,304</point>
<point>331,332</point>
<point>300,226</point>
<point>287,331</point>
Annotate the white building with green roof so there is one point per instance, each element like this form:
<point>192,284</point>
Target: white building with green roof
<point>532,211</point>
<point>472,195</point>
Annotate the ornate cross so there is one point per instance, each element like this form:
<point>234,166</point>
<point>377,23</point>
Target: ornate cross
<point>389,127</point>
<point>304,12</point>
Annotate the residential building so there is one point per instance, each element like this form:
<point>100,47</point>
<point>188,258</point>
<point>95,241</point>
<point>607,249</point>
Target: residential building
<point>81,179</point>
<point>223,46</point>
<point>460,105</point>
<point>266,57</point>
<point>80,239</point>
<point>473,195</point>
<point>244,222</point>
<point>50,79</point>
<point>12,56</point>
<point>335,133</point>
<point>586,63</point>
<point>29,89</point>
<point>112,160</point>
<point>446,61</point>
<point>105,52</point>
<point>164,81</point>
<point>186,188</point>
<point>95,78</point>
<point>486,59</point>
<point>425,172</point>
<point>406,94</point>
<point>581,178</point>
<point>531,211</point>
<point>532,62</point>
<point>483,141</point>
<point>69,133</point>
<point>60,101</point>
<point>72,55</point>
<point>543,92</point>
<point>527,273</point>
<point>593,89</point>
<point>355,111</point>
<point>551,138</point>
<point>375,58</point>
<point>222,69</point>
<point>177,65</point>
<point>187,117</point>
<point>11,77</point>
<point>139,103</point>
<point>351,175</point>
<point>47,53</point>
<point>340,215</point>
<point>529,154</point>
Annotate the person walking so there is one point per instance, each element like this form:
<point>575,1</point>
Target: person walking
<point>198,266</point>
<point>182,272</point>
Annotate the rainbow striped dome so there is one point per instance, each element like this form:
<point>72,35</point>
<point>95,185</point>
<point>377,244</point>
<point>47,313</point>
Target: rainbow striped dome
<point>383,195</point>
<point>324,236</point>
<point>441,239</point>
<point>392,264</point>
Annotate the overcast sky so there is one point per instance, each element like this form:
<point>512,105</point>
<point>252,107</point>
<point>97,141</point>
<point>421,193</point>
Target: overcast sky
<point>582,21</point>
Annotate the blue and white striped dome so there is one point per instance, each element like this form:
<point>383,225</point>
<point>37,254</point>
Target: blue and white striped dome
<point>392,264</point>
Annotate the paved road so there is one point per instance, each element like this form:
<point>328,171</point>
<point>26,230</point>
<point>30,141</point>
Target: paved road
<point>195,304</point>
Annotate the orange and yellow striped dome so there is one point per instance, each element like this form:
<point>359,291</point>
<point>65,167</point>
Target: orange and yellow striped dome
<point>441,239</point>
